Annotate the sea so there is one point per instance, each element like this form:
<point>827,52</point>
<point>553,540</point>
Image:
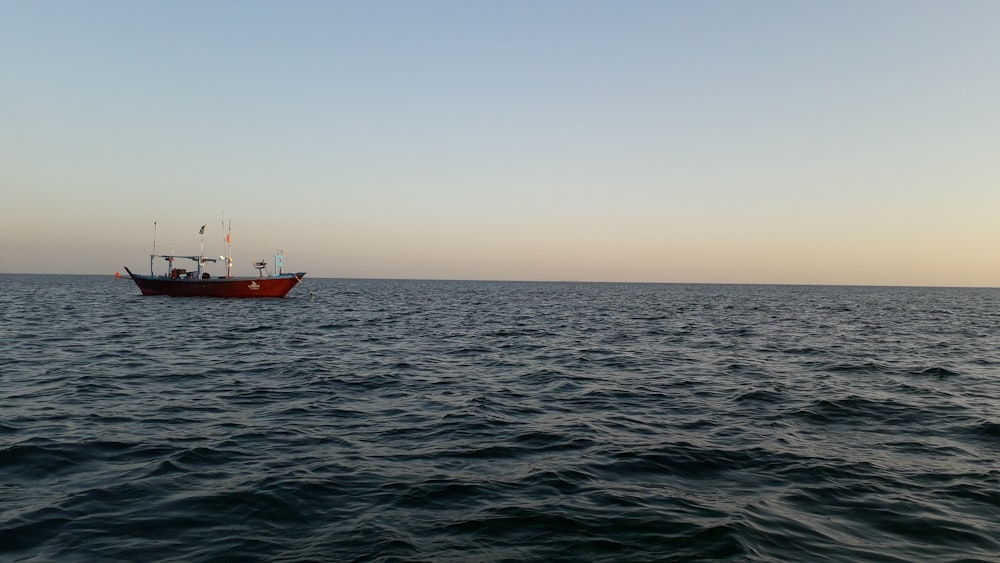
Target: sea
<point>388,420</point>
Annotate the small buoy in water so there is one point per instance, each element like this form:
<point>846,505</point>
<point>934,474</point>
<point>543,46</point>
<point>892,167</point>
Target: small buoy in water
<point>118,275</point>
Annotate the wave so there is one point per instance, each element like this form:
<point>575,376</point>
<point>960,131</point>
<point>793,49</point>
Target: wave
<point>452,421</point>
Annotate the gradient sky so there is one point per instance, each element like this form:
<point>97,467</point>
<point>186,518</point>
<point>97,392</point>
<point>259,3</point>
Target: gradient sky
<point>840,142</point>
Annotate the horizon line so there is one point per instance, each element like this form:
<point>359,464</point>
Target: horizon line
<point>479,280</point>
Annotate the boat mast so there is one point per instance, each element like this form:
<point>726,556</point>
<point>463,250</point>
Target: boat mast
<point>153,255</point>
<point>201,255</point>
<point>229,251</point>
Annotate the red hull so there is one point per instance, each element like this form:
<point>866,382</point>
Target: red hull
<point>275,286</point>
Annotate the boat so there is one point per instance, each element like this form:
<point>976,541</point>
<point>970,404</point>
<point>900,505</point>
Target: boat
<point>181,283</point>
<point>197,282</point>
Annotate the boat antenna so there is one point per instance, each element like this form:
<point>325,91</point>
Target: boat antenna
<point>154,237</point>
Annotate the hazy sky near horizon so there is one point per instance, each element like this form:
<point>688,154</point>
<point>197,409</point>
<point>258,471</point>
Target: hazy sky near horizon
<point>840,142</point>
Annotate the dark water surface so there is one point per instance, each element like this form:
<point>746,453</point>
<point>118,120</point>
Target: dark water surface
<point>474,421</point>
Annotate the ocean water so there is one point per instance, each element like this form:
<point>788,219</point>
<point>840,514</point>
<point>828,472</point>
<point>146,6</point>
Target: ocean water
<point>367,420</point>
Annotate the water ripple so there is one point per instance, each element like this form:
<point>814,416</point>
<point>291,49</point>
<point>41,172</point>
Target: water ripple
<point>452,421</point>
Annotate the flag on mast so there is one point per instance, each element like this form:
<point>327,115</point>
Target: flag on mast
<point>201,231</point>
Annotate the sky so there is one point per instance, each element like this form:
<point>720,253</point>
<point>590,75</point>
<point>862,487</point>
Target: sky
<point>714,141</point>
